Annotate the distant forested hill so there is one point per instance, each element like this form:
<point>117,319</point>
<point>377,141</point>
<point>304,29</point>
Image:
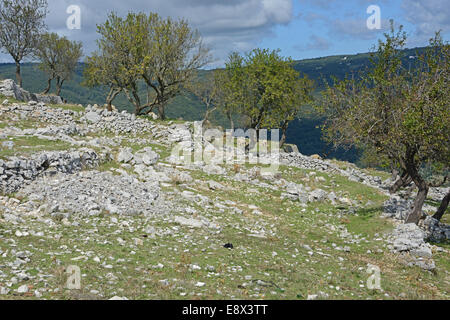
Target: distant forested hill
<point>305,133</point>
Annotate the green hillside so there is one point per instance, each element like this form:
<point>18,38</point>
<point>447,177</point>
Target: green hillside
<point>305,133</point>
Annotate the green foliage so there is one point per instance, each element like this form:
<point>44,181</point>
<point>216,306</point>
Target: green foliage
<point>115,64</point>
<point>391,108</point>
<point>401,115</point>
<point>263,88</point>
<point>162,53</point>
<point>21,23</point>
<point>59,57</point>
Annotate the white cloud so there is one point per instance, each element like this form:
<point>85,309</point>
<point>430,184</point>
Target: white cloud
<point>428,16</point>
<point>356,29</point>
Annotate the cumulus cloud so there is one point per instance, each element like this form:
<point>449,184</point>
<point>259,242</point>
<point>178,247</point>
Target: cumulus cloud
<point>326,4</point>
<point>355,29</point>
<point>241,25</point>
<point>226,25</point>
<point>341,22</point>
<point>427,16</point>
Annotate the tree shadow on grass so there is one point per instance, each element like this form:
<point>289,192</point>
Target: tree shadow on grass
<point>369,212</point>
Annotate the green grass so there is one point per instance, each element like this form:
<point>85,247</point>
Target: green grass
<point>279,265</point>
<point>290,274</point>
<point>25,146</point>
<point>21,124</point>
<point>11,100</point>
<point>71,107</point>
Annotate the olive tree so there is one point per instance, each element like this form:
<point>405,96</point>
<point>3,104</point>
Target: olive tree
<point>175,51</point>
<point>115,63</point>
<point>265,89</point>
<point>401,115</point>
<point>21,23</point>
<point>58,58</point>
<point>163,54</point>
<point>206,88</point>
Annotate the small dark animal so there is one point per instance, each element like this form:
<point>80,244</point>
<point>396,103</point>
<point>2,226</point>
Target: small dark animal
<point>228,246</point>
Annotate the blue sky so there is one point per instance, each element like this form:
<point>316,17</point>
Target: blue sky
<point>300,28</point>
<point>323,28</point>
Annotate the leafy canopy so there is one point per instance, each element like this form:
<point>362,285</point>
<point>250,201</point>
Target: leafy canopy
<point>400,114</point>
<point>58,57</point>
<point>162,53</point>
<point>264,88</point>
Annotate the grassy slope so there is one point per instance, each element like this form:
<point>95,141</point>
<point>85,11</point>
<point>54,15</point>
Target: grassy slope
<point>298,259</point>
<point>277,267</point>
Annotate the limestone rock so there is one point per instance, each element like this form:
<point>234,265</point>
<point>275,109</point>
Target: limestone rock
<point>125,155</point>
<point>214,169</point>
<point>92,117</point>
<point>193,223</point>
<point>317,195</point>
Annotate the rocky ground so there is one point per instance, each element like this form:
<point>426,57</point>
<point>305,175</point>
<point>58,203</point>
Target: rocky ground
<point>101,191</point>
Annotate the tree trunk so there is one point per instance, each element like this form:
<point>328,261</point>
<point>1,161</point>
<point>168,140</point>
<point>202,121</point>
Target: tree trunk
<point>283,134</point>
<point>110,98</point>
<point>421,184</point>
<point>59,84</point>
<point>137,101</point>
<point>394,174</point>
<point>283,140</point>
<point>410,166</point>
<point>416,213</point>
<point>209,112</point>
<point>401,182</point>
<point>49,85</point>
<point>18,75</point>
<point>230,118</point>
<point>442,208</point>
<point>161,111</point>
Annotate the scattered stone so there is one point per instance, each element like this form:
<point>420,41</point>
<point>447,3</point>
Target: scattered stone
<point>214,170</point>
<point>19,171</point>
<point>92,192</point>
<point>436,231</point>
<point>317,195</point>
<point>125,155</point>
<point>213,185</point>
<point>408,240</point>
<point>397,208</point>
<point>193,223</point>
<point>93,117</point>
<point>23,289</point>
<point>116,298</point>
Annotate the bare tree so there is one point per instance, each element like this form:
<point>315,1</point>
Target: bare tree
<point>21,23</point>
<point>206,88</point>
